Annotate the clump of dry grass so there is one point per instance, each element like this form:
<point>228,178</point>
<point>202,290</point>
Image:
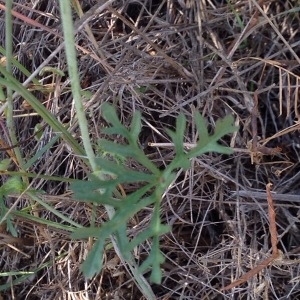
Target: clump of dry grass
<point>162,58</point>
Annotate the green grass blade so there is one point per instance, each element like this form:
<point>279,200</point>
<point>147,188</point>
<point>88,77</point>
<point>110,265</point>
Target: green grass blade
<point>40,153</point>
<point>18,65</point>
<point>51,209</point>
<point>11,82</point>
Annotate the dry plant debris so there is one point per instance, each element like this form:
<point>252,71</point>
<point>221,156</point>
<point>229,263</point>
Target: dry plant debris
<point>162,58</point>
<point>274,241</point>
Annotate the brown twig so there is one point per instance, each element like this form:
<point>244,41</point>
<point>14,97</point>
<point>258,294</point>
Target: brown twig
<point>254,116</point>
<point>249,274</point>
<point>275,252</point>
<point>255,147</point>
<point>272,217</point>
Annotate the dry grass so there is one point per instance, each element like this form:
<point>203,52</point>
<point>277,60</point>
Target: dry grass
<point>162,58</point>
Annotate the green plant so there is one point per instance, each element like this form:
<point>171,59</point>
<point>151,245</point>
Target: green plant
<point>106,174</point>
<point>101,187</point>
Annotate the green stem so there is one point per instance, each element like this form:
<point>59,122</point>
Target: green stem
<point>9,57</point>
<point>67,23</point>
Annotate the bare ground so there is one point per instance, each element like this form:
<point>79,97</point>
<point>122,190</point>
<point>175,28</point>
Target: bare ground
<point>163,58</point>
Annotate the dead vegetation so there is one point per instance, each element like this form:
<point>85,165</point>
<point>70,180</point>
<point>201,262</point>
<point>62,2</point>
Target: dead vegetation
<point>163,58</point>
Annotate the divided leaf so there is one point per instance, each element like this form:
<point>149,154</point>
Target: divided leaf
<point>135,127</point>
<point>154,260</point>
<point>95,190</point>
<point>94,261</point>
<point>178,135</point>
<point>110,115</point>
<point>224,126</point>
<point>209,143</point>
<point>102,186</point>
